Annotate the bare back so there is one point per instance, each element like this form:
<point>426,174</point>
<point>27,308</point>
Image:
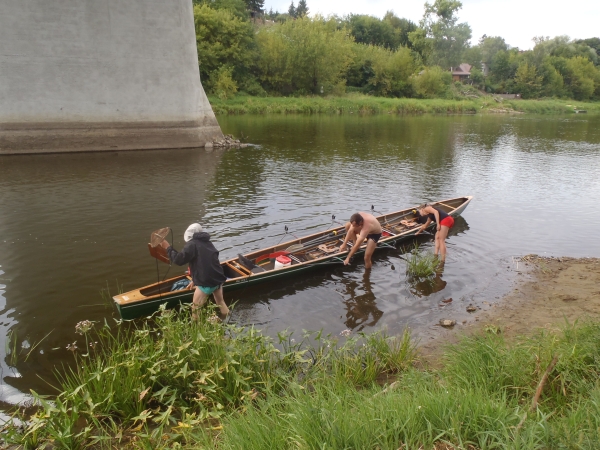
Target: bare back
<point>371,224</point>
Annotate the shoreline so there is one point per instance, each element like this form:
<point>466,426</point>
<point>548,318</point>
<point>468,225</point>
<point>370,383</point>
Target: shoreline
<point>553,292</point>
<point>365,104</point>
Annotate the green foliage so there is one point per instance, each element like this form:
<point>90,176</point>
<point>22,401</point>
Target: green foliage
<point>392,71</point>
<point>442,40</point>
<point>164,377</point>
<point>380,71</point>
<point>224,86</point>
<point>402,28</point>
<point>304,56</point>
<point>372,31</point>
<point>302,9</point>
<point>581,77</point>
<point>318,56</point>
<point>421,265</point>
<point>256,6</point>
<point>431,82</point>
<point>479,399</point>
<point>223,39</point>
<point>236,7</point>
<point>527,81</point>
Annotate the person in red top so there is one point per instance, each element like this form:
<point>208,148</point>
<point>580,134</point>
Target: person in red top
<point>444,222</point>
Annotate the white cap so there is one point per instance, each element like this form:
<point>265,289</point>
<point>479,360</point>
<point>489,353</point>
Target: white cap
<point>189,233</point>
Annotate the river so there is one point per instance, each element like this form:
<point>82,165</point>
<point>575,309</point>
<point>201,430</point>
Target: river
<point>74,227</point>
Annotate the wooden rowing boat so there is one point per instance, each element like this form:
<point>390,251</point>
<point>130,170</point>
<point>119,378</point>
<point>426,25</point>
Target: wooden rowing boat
<point>308,253</point>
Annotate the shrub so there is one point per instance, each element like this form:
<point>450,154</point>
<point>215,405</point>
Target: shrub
<point>432,82</point>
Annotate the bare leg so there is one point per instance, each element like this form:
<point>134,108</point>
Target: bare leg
<point>443,234</point>
<point>437,243</point>
<point>351,233</point>
<point>371,245</point>
<point>199,300</point>
<point>220,301</point>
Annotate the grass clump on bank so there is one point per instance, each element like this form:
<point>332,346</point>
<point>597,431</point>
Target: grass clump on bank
<point>366,104</point>
<point>480,399</point>
<point>170,380</point>
<point>175,383</point>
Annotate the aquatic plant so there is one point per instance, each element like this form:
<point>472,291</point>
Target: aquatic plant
<point>421,264</point>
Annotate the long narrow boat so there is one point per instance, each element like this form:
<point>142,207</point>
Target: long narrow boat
<point>308,253</point>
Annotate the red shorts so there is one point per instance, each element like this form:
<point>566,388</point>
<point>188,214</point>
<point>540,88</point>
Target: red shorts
<point>448,222</point>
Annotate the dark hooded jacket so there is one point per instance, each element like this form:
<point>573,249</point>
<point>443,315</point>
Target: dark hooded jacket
<point>203,258</point>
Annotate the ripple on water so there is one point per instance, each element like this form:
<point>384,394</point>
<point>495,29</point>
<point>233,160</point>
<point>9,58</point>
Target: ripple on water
<point>72,225</point>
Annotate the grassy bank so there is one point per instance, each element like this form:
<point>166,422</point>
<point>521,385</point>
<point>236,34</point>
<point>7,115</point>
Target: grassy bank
<point>364,104</point>
<point>175,383</point>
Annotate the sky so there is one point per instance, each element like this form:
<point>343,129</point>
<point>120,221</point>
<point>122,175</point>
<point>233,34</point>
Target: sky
<point>517,21</point>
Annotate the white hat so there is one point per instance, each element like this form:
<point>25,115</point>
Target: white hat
<point>189,233</point>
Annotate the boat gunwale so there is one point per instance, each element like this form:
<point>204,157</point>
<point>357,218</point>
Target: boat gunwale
<point>172,295</point>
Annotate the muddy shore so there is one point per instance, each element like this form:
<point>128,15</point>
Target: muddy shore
<point>552,292</point>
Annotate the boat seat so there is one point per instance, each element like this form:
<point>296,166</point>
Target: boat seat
<point>248,264</point>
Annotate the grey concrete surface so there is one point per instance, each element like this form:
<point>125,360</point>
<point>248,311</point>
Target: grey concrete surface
<point>90,75</point>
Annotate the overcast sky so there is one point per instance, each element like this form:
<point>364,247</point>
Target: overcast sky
<point>517,21</point>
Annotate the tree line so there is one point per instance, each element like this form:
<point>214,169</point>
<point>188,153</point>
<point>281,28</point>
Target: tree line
<point>242,48</point>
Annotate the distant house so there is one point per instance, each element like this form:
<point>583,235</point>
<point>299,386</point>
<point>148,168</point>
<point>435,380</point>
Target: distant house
<point>461,73</point>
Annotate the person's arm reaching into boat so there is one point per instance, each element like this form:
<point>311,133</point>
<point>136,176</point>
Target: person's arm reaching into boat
<point>427,222</point>
<point>425,212</point>
<point>359,240</point>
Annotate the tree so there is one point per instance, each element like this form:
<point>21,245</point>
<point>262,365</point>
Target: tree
<point>372,31</point>
<point>255,6</point>
<point>304,56</point>
<point>392,71</point>
<point>432,82</point>
<point>237,7</point>
<point>527,81</point>
<point>292,10</point>
<point>489,46</point>
<point>440,39</point>
<point>402,28</point>
<point>593,43</point>
<point>222,39</point>
<point>302,9</point>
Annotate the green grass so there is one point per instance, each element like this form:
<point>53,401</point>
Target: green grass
<point>421,264</point>
<point>163,381</point>
<point>476,401</point>
<point>175,383</point>
<point>365,104</point>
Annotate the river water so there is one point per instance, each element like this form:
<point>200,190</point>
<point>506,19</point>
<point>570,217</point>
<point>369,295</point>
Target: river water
<point>74,226</point>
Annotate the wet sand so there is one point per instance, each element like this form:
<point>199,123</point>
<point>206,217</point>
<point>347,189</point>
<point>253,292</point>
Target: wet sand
<point>551,292</point>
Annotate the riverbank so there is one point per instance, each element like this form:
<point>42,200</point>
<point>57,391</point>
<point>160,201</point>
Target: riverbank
<point>552,292</point>
<point>173,383</point>
<point>364,104</point>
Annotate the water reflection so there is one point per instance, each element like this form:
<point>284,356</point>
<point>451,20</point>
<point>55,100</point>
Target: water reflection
<point>71,224</point>
<point>360,303</point>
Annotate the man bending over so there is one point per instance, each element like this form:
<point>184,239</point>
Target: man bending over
<point>362,226</point>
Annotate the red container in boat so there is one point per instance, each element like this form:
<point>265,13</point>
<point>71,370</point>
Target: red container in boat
<point>282,261</point>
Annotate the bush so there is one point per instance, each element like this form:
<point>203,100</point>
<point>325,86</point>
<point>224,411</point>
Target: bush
<point>224,86</point>
<point>432,82</point>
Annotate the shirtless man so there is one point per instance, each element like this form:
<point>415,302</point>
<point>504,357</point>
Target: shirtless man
<point>362,226</point>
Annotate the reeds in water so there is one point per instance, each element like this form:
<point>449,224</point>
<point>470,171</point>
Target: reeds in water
<point>421,264</point>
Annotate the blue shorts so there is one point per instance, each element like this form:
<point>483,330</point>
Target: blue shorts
<point>208,290</point>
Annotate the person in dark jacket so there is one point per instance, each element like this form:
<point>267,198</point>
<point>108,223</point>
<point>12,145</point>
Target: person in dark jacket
<point>207,274</point>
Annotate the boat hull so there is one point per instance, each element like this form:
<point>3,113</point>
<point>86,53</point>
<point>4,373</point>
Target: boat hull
<point>147,300</point>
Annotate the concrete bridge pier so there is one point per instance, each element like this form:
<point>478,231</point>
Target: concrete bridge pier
<point>94,75</point>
